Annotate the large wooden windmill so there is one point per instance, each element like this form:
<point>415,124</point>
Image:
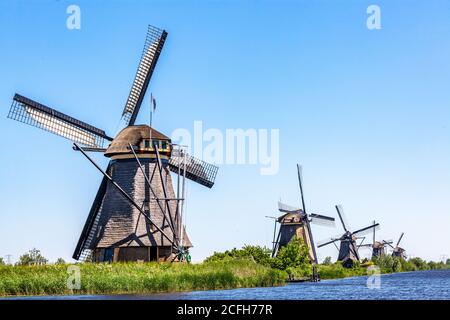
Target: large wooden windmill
<point>296,222</point>
<point>136,214</point>
<point>348,249</point>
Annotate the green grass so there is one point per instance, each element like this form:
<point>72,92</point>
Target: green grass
<point>336,271</point>
<point>117,278</point>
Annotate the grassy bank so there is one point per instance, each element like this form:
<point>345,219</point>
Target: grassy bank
<point>386,264</point>
<point>293,259</point>
<point>137,278</point>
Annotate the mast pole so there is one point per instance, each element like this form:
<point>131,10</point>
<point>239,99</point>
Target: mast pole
<point>178,220</point>
<point>183,195</point>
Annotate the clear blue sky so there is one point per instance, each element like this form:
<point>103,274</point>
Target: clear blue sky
<point>367,112</point>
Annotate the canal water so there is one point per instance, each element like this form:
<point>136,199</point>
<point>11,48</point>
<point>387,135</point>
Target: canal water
<point>419,285</point>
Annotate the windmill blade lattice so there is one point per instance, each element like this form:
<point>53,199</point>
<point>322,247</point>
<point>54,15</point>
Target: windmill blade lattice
<point>367,230</point>
<point>343,218</point>
<point>327,241</point>
<point>287,208</point>
<point>322,220</point>
<point>38,115</point>
<point>152,49</point>
<point>197,170</point>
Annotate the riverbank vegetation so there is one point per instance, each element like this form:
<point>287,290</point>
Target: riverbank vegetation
<point>293,259</point>
<point>250,266</point>
<point>133,277</point>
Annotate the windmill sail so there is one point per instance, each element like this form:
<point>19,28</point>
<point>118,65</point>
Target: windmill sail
<point>84,245</point>
<point>400,239</point>
<point>152,49</point>
<point>322,220</point>
<point>38,115</point>
<point>287,208</point>
<point>367,230</point>
<point>196,170</point>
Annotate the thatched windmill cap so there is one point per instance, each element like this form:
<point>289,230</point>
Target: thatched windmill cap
<point>290,217</point>
<point>133,135</point>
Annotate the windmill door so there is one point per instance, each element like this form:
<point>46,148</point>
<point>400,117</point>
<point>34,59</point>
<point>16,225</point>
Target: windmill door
<point>108,256</point>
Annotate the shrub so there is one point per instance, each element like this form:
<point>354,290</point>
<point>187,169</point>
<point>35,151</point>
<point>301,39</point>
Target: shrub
<point>295,255</point>
<point>419,263</point>
<point>258,254</point>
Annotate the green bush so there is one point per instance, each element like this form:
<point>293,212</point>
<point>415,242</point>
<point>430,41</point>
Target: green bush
<point>336,270</point>
<point>292,258</point>
<point>419,263</point>
<point>258,254</point>
<point>294,255</point>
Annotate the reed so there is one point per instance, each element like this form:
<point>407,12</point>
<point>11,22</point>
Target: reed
<point>137,278</point>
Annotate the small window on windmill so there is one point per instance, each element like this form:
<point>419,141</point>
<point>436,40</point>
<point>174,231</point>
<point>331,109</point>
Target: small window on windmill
<point>146,144</point>
<point>164,145</point>
<point>157,142</point>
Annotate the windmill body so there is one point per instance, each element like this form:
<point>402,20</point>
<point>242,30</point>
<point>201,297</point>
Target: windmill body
<point>119,231</point>
<point>378,249</point>
<point>348,252</point>
<point>293,225</point>
<point>136,214</point>
<point>397,250</point>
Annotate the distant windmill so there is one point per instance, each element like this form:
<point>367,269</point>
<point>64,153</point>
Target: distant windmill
<point>397,250</point>
<point>348,250</point>
<point>378,247</point>
<point>296,222</point>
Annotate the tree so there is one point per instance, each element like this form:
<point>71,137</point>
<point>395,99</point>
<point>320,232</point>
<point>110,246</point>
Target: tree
<point>32,257</point>
<point>294,254</point>
<point>327,261</point>
<point>2,263</point>
<point>257,254</point>
<point>60,261</point>
<point>419,263</point>
<point>447,262</point>
<point>294,259</point>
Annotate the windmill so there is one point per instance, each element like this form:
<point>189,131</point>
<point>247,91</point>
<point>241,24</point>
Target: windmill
<point>378,247</point>
<point>136,214</point>
<point>397,250</point>
<point>296,222</point>
<point>348,249</point>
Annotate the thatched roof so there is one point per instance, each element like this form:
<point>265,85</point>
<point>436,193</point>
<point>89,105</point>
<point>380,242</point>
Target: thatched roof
<point>133,135</point>
<point>290,217</point>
